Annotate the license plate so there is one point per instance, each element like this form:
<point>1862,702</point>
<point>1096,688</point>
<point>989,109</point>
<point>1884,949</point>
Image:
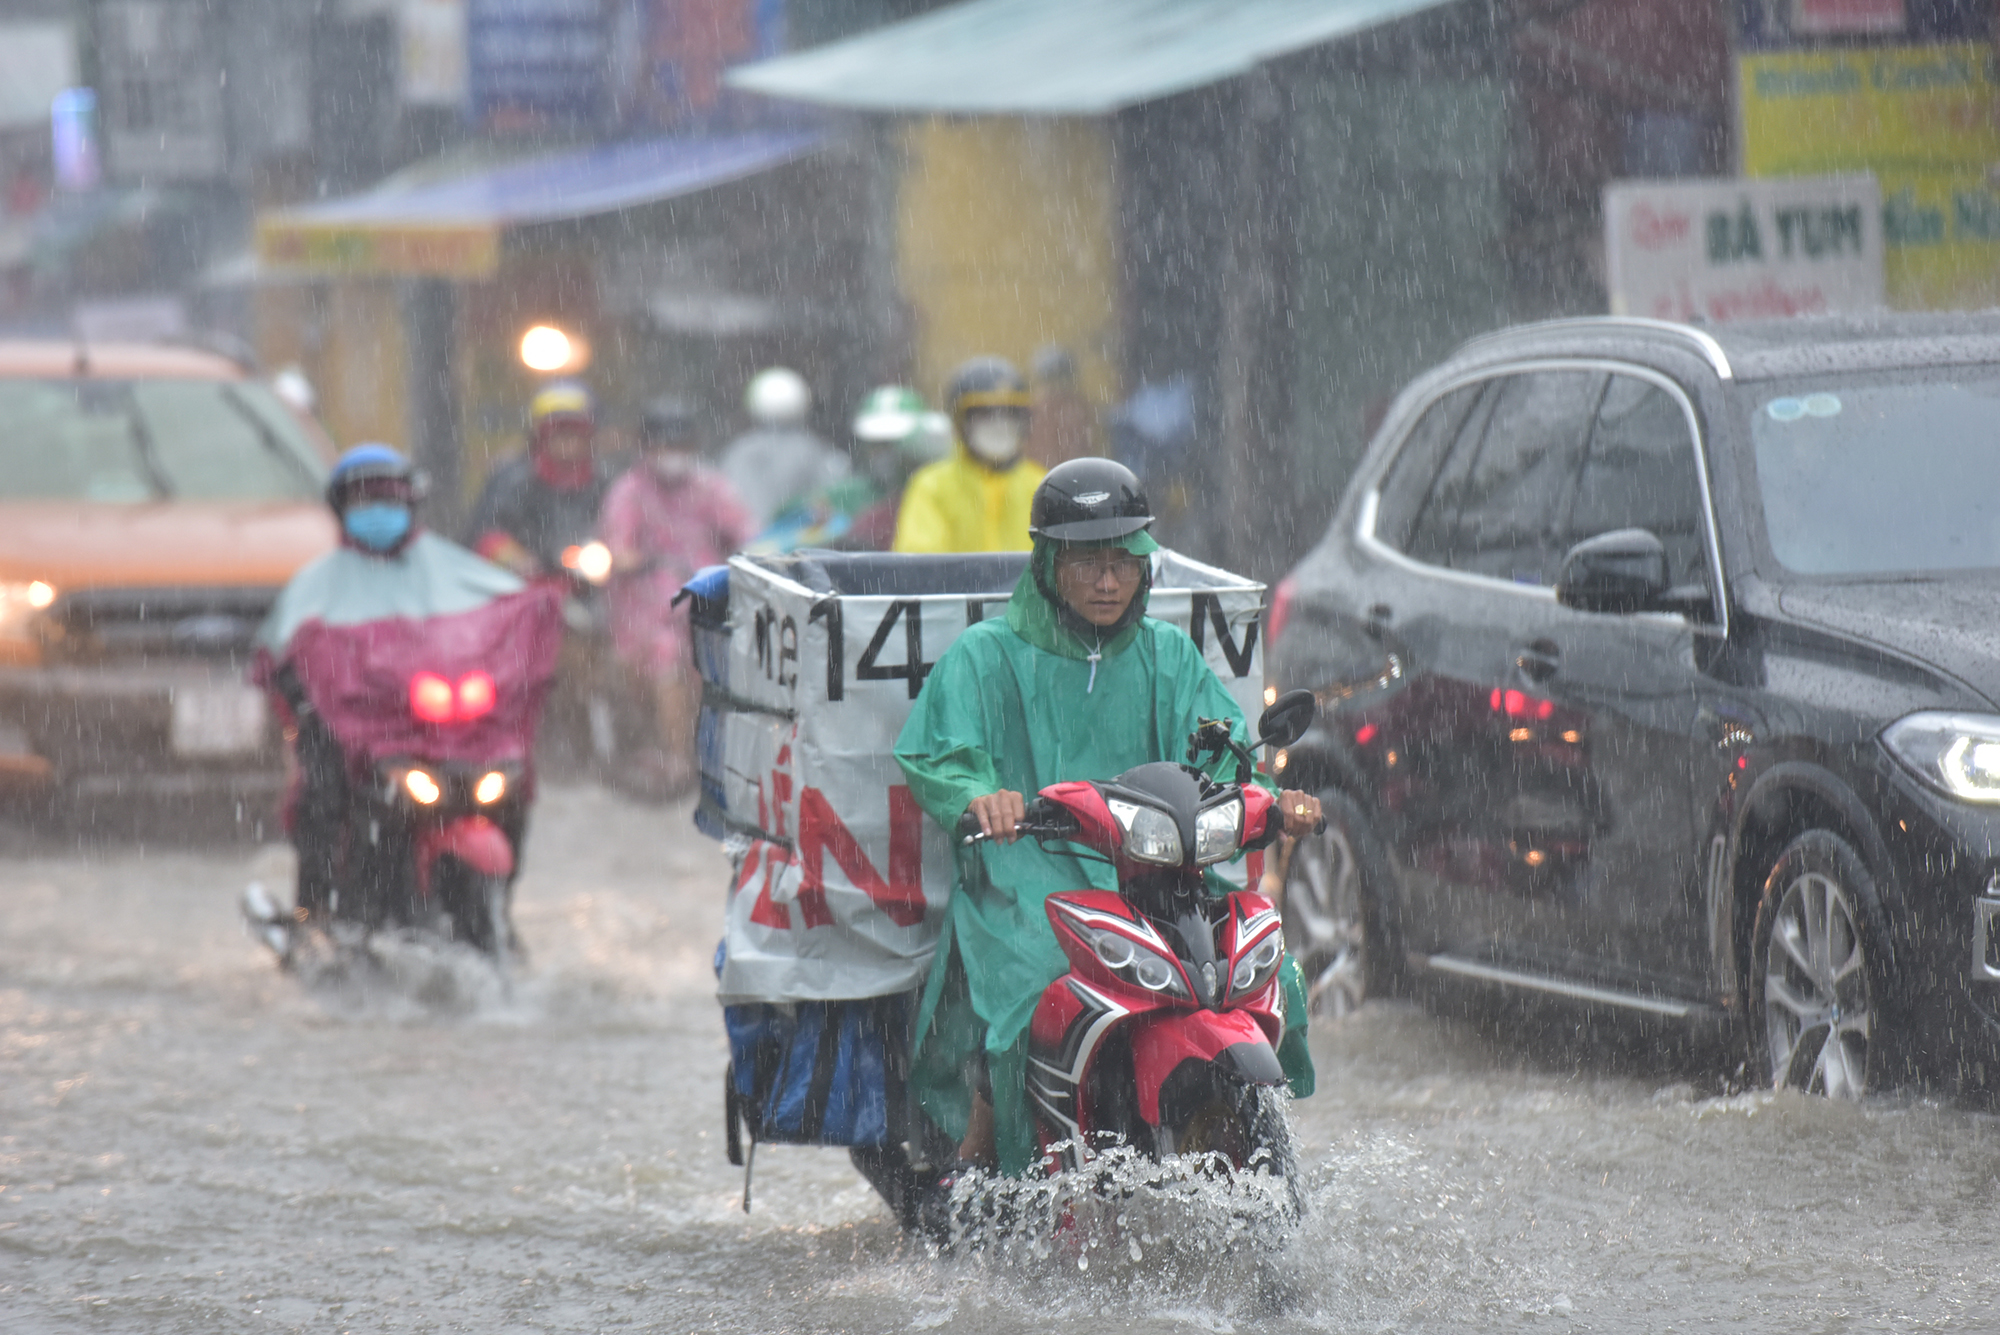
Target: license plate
<point>225,719</point>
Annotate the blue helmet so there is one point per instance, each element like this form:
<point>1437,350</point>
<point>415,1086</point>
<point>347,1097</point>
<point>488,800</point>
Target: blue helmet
<point>366,463</point>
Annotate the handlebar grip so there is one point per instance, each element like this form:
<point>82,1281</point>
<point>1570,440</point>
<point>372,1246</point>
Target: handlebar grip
<point>1319,826</point>
<point>967,828</point>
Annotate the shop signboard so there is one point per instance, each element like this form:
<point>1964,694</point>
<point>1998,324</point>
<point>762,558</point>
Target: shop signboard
<point>531,63</point>
<point>1720,250</point>
<point>1921,119</point>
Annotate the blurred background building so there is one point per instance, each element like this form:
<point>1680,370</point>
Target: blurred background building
<point>1248,221</point>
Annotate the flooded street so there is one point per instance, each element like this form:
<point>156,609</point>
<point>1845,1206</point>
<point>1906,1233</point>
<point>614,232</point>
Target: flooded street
<point>190,1141</point>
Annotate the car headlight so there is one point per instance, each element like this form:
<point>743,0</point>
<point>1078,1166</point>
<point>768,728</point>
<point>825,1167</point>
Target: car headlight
<point>1150,834</point>
<point>1133,962</point>
<point>1958,754</point>
<point>1254,970</point>
<point>21,601</point>
<point>1218,833</point>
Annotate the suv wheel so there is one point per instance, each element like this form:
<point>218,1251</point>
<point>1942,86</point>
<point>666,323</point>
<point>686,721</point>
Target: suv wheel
<point>1819,974</point>
<point>1333,908</point>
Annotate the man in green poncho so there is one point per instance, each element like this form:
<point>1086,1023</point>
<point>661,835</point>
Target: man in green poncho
<point>1076,683</point>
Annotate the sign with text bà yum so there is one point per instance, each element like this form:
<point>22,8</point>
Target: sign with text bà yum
<point>1721,250</point>
<point>840,880</point>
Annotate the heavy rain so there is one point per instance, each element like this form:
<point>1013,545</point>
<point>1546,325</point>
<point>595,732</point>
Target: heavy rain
<point>882,665</point>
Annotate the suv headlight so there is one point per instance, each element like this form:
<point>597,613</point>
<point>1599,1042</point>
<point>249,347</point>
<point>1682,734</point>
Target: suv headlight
<point>1218,832</point>
<point>1958,754</point>
<point>1150,834</point>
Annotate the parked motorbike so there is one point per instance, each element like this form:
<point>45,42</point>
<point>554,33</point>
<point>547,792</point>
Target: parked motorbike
<point>1162,1038</point>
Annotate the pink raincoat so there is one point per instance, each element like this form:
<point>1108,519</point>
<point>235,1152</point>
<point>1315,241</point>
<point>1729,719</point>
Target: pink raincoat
<point>676,528</point>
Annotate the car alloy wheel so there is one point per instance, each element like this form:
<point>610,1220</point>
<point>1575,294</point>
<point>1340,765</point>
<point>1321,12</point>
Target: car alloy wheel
<point>1324,929</point>
<point>1820,1001</point>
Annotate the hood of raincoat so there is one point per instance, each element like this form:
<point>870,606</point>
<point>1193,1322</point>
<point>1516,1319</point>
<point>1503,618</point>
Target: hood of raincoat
<point>1039,615</point>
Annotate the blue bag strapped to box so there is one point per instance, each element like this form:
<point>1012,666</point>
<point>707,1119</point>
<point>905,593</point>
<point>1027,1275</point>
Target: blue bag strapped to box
<point>809,666</point>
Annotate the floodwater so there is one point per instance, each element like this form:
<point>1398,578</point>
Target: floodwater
<point>190,1141</point>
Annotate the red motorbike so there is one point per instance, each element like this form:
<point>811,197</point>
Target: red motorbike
<point>1163,1035</point>
<point>433,721</point>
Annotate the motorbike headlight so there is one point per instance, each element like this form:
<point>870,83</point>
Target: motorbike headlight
<point>1133,962</point>
<point>422,788</point>
<point>1150,834</point>
<point>1255,969</point>
<point>492,786</point>
<point>1958,754</point>
<point>591,560</point>
<point>1218,833</point>
<point>19,603</point>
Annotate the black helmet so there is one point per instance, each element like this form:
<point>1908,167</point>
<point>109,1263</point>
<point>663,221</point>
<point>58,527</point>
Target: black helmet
<point>668,418</point>
<point>984,382</point>
<point>1089,500</point>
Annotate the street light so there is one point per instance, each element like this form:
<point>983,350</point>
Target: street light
<point>546,348</point>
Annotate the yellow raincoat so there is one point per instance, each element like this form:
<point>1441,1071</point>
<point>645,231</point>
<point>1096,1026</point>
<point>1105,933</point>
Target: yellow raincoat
<point>960,505</point>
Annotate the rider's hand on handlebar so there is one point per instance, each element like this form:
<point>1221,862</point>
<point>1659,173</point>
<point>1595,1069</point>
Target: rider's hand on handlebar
<point>998,814</point>
<point>1302,813</point>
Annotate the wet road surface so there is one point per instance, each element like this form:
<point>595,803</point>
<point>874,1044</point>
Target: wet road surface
<point>190,1141</point>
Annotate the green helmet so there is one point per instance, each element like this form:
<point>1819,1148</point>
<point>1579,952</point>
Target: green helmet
<point>889,415</point>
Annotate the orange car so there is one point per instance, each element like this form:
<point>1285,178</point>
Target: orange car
<point>153,501</point>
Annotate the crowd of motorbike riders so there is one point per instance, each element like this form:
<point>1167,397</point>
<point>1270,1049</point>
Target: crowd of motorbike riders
<point>561,550</point>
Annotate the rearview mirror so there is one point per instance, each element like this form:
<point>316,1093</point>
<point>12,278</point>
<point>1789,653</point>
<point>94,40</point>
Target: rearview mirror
<point>1289,718</point>
<point>1621,571</point>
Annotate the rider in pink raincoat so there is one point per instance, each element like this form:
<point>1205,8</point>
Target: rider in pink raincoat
<point>666,518</point>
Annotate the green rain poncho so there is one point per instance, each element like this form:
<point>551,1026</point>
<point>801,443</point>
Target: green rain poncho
<point>1018,705</point>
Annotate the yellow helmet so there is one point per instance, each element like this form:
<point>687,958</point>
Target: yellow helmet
<point>563,401</point>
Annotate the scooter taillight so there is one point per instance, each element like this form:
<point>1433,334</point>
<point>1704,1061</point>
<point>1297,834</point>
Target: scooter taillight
<point>434,699</point>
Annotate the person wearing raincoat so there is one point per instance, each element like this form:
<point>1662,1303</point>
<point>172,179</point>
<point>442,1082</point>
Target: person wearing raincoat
<point>977,499</point>
<point>895,434</point>
<point>1076,682</point>
<point>387,572</point>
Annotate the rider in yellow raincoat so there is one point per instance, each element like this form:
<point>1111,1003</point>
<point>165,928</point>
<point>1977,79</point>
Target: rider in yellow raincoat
<point>976,500</point>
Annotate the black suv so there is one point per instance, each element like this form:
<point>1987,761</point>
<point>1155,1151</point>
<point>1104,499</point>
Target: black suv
<point>1660,670</point>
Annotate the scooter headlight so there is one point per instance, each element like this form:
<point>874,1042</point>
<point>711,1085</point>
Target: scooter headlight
<point>492,786</point>
<point>422,788</point>
<point>1218,833</point>
<point>1150,834</point>
<point>1254,970</point>
<point>1133,962</point>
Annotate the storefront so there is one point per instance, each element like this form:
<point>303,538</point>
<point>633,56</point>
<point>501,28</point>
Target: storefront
<point>650,259</point>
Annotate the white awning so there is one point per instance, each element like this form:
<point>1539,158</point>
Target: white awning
<point>1059,57</point>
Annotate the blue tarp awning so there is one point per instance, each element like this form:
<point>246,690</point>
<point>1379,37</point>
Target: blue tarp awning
<point>443,220</point>
<point>1059,57</point>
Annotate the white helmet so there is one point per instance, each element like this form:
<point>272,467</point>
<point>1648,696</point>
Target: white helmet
<point>778,396</point>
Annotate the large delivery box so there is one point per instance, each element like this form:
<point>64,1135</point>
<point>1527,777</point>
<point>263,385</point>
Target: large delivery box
<point>810,664</point>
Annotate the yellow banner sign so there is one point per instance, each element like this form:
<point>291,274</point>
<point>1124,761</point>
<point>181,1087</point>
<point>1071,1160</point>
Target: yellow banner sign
<point>1922,119</point>
<point>445,251</point>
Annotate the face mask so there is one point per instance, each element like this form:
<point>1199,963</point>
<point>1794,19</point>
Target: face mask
<point>994,440</point>
<point>376,527</point>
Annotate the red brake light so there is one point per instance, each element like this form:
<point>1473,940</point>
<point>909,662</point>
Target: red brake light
<point>431,698</point>
<point>435,700</point>
<point>1281,611</point>
<point>475,695</point>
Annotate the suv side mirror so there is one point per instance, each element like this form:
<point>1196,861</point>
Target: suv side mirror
<point>1289,718</point>
<point>1621,571</point>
